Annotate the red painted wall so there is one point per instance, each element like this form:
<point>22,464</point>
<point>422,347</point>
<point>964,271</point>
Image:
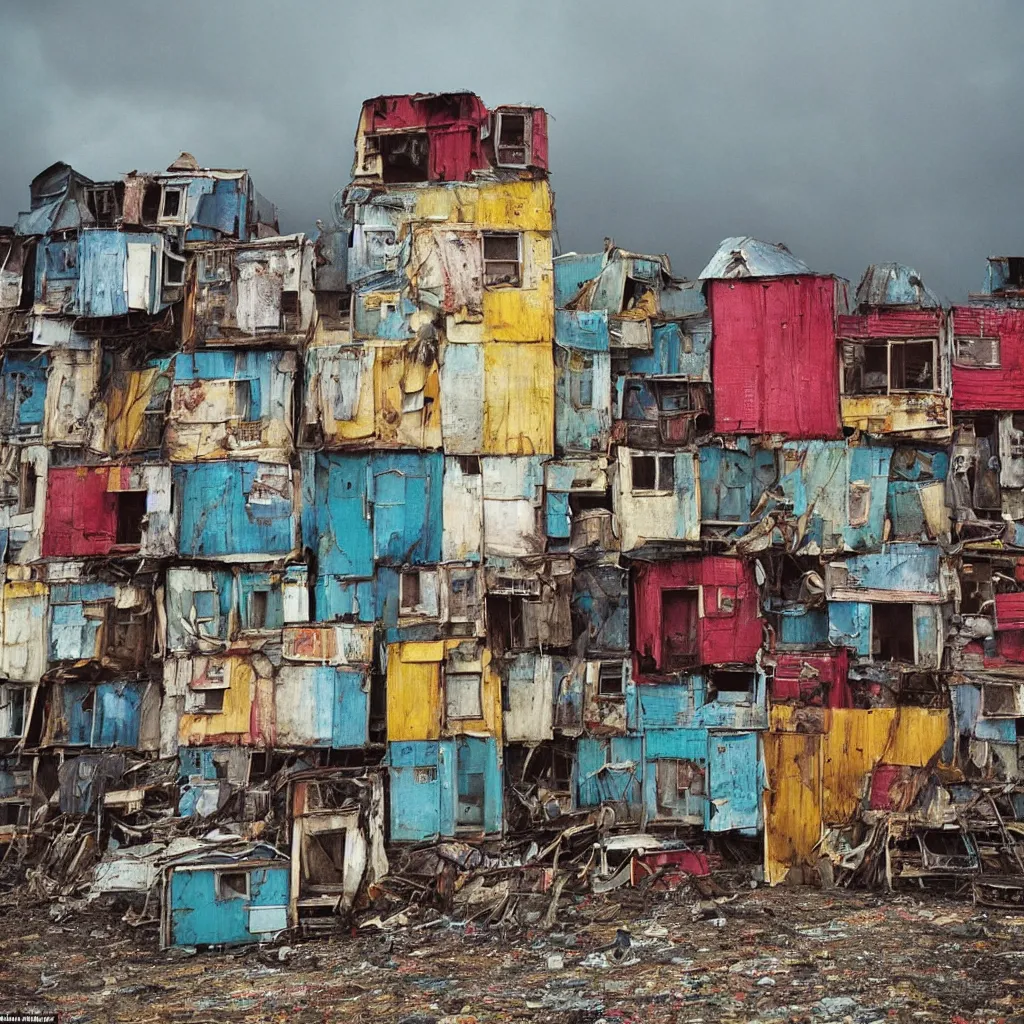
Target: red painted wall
<point>829,688</point>
<point>722,635</point>
<point>456,126</point>
<point>1002,389</point>
<point>895,323</point>
<point>81,514</point>
<point>775,363</point>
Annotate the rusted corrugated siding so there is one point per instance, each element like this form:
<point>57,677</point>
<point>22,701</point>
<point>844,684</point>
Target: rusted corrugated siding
<point>774,362</point>
<point>1002,388</point>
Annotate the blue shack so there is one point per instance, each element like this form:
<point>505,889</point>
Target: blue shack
<point>225,896</point>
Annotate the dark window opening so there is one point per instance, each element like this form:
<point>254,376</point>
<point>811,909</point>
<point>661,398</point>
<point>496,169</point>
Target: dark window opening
<point>633,293</point>
<point>258,609</point>
<point>289,311</point>
<point>13,814</point>
<point>220,768</point>
<point>27,487</point>
<point>410,586</point>
<point>1015,272</point>
<point>732,681</point>
<point>653,472</point>
<point>14,698</point>
<point>88,701</point>
<point>405,157</point>
<point>151,204</point>
<point>590,500</point>
<point>131,510</point>
<point>232,885</point>
<point>867,369</point>
<point>324,857</point>
<point>469,464</point>
<point>679,629</point>
<point>511,147</point>
<point>213,700</point>
<point>892,627</point>
<point>912,366</point>
<point>609,679</point>
<point>172,204</point>
<point>103,205</point>
<point>505,624</point>
<point>127,638</point>
<point>502,259</point>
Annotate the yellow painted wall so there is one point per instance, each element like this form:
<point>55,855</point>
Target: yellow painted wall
<point>897,413</point>
<point>519,399</point>
<point>394,374</point>
<point>514,205</point>
<point>792,804</point>
<point>125,409</point>
<point>415,695</point>
<point>194,730</point>
<point>414,691</point>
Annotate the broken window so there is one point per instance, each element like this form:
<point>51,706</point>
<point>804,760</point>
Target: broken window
<point>719,601</point>
<point>151,204</point>
<point>410,591</point>
<point>884,367</point>
<point>103,205</point>
<point>27,486</point>
<point>209,702</point>
<point>131,511</point>
<point>172,206</point>
<point>323,857</point>
<point>610,682</point>
<point>502,259</point>
<point>654,473</point>
<point>732,685</point>
<point>232,885</point>
<point>505,622</point>
<point>976,352</point>
<point>174,270</point>
<point>469,464</point>
<point>512,145</point>
<point>1015,272</point>
<point>258,609</point>
<point>289,311</point>
<point>463,696</point>
<point>12,711</point>
<point>892,632</point>
<point>405,157</point>
<point>418,592</point>
<point>912,366</point>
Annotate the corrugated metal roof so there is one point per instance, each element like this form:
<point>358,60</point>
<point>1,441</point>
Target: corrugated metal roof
<point>894,284</point>
<point>749,257</point>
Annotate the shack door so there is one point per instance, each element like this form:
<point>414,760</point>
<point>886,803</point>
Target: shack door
<point>733,782</point>
<point>679,625</point>
<point>470,768</point>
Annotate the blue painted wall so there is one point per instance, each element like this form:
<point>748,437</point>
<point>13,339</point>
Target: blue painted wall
<point>217,516</point>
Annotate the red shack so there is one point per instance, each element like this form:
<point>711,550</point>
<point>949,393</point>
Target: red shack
<point>446,137</point>
<point>693,612</point>
<point>774,359</point>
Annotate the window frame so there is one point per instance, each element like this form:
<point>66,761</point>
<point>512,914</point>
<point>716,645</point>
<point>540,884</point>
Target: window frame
<point>179,216</point>
<point>499,118</point>
<point>995,342</point>
<point>657,490</point>
<point>890,343</point>
<point>474,715</point>
<point>518,236</point>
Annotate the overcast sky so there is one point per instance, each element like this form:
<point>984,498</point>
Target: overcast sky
<point>853,132</point>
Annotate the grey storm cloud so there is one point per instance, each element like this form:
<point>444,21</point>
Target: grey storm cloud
<point>854,132</point>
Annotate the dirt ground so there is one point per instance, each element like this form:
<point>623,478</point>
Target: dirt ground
<point>789,954</point>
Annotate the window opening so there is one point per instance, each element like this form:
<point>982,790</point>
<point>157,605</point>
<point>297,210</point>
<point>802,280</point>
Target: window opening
<point>892,628</point>
<point>131,511</point>
<point>653,473</point>
<point>502,259</point>
<point>232,885</point>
